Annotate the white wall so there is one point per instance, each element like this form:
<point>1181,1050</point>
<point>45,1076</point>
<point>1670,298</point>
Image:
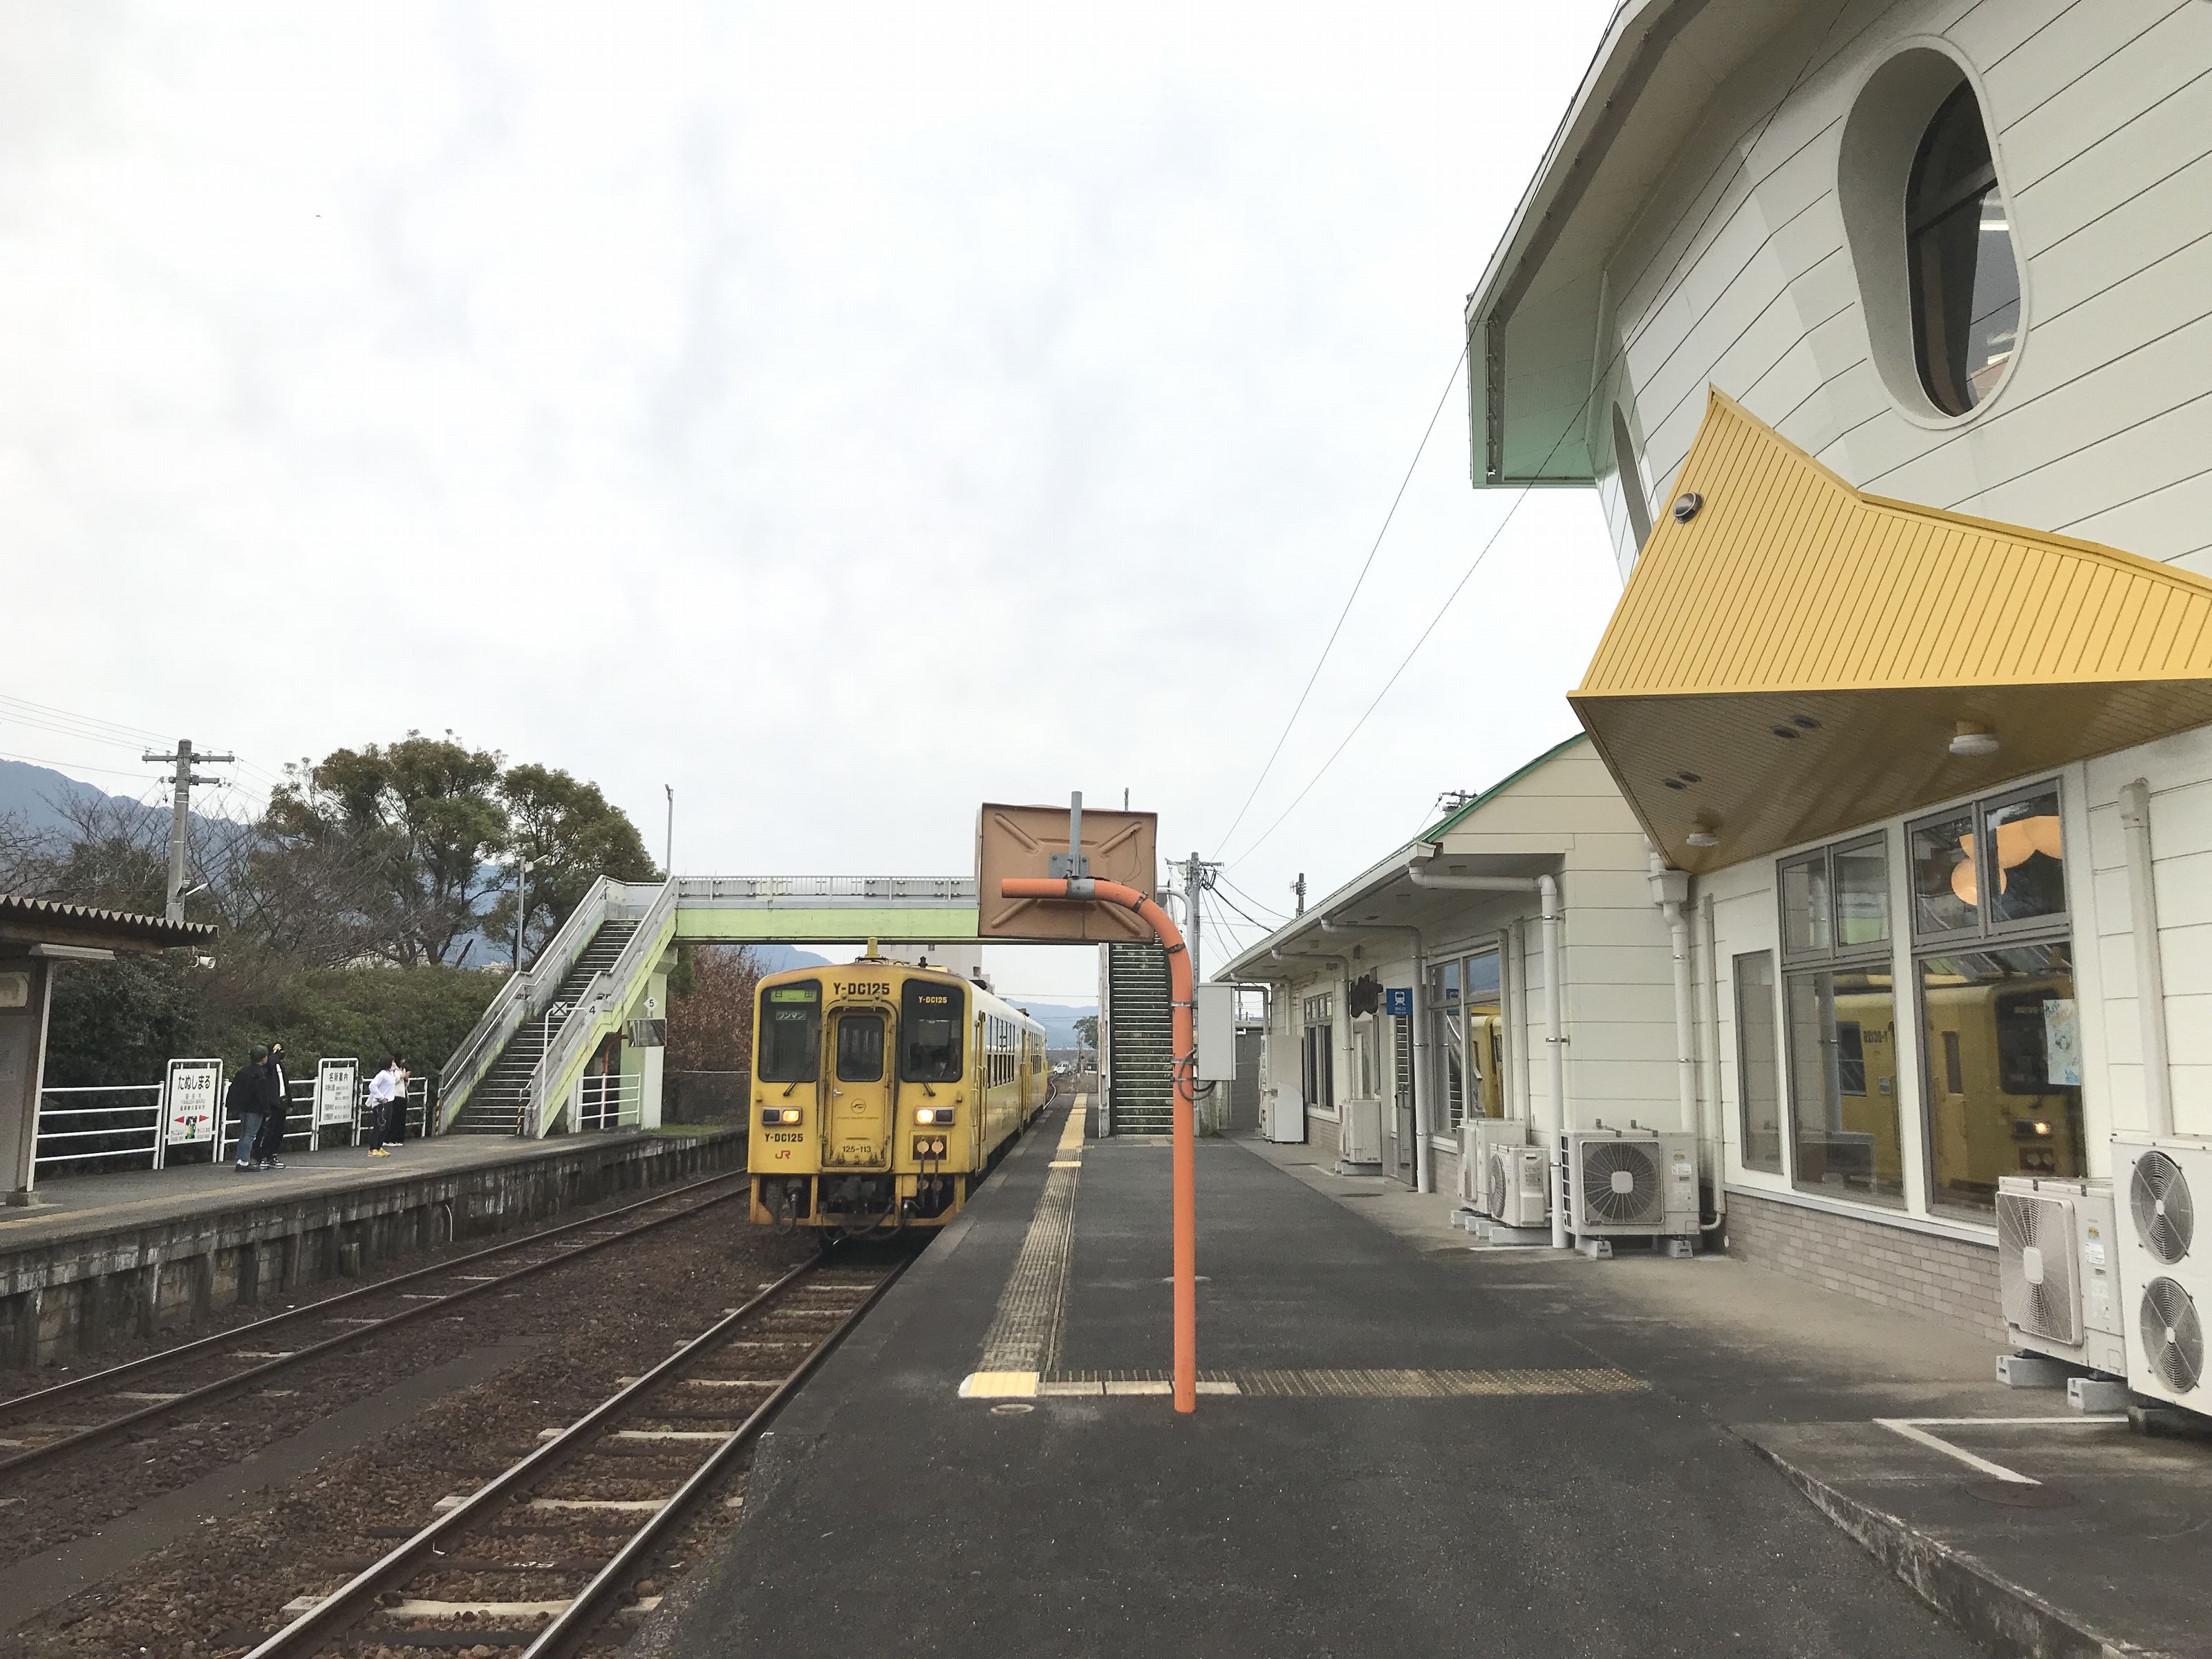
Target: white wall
<point>2101,121</point>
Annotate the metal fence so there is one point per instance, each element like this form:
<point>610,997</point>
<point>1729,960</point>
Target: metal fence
<point>110,1127</point>
<point>609,1100</point>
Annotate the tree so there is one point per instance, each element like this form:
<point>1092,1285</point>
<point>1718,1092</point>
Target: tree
<point>1086,1030</point>
<point>710,1024</point>
<point>572,835</point>
<point>426,815</point>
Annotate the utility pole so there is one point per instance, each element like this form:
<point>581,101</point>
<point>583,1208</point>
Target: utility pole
<point>1299,888</point>
<point>521,904</point>
<point>180,815</point>
<point>669,865</point>
<point>1197,877</point>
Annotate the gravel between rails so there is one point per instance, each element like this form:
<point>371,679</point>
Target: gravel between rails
<point>77,1495</point>
<point>216,1594</point>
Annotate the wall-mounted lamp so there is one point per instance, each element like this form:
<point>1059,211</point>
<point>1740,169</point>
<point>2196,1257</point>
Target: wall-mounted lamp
<point>1972,742</point>
<point>1706,833</point>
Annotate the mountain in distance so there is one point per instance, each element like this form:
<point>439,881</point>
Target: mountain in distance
<point>36,794</point>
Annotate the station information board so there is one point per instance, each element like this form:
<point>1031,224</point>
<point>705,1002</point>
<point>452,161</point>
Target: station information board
<point>191,1102</point>
<point>337,1083</point>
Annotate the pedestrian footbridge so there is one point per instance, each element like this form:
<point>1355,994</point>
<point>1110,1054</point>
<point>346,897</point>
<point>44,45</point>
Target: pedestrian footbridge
<point>537,1063</point>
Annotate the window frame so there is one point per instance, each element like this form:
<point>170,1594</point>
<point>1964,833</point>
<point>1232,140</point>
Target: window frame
<point>1984,935</point>
<point>1972,191</point>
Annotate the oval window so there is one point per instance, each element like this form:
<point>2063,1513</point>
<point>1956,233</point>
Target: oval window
<point>1965,279</point>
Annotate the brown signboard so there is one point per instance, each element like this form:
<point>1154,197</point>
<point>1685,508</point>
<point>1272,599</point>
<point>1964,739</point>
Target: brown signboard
<point>1020,840</point>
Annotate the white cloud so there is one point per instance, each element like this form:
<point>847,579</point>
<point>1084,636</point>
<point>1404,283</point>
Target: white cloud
<point>843,421</point>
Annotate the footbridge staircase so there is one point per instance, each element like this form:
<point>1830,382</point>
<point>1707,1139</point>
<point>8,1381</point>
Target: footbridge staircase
<point>526,1069</point>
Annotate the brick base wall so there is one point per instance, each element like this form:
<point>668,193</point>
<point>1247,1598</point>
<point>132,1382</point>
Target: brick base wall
<point>1948,1280</point>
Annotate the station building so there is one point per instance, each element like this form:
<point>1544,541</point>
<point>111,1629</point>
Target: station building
<point>1882,331</point>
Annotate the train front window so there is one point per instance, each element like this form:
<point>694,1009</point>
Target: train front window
<point>931,1019</point>
<point>860,1049</point>
<point>791,1033</point>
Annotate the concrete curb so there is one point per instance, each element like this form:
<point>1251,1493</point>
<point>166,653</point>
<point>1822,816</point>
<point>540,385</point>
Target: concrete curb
<point>1988,1606</point>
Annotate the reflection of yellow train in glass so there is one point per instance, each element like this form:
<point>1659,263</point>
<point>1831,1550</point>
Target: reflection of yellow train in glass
<point>1489,1045</point>
<point>1993,1107</point>
<point>882,1093</point>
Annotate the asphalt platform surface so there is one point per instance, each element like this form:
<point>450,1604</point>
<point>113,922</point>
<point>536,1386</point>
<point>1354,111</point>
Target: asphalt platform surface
<point>888,1514</point>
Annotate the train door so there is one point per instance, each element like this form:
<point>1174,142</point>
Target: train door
<point>856,1131</point>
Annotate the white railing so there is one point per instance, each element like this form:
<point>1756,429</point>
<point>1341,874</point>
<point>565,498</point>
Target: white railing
<point>532,991</point>
<point>881,889</point>
<point>610,986</point>
<point>132,1113</point>
<point>112,1125</point>
<point>609,1100</point>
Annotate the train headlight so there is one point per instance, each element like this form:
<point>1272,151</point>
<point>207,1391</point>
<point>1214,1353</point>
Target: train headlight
<point>775,1117</point>
<point>927,1115</point>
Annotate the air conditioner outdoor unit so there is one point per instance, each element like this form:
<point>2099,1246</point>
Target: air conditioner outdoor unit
<point>2166,1271</point>
<point>1359,1131</point>
<point>1482,1135</point>
<point>2059,1271</point>
<point>1518,1186</point>
<point>1630,1182</point>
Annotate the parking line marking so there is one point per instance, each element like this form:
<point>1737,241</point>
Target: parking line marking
<point>1915,1429</point>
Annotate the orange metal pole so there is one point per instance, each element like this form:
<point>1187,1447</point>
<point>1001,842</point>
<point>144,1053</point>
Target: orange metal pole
<point>1180,996</point>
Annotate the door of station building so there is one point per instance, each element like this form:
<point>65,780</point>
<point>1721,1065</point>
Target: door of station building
<point>856,1130</point>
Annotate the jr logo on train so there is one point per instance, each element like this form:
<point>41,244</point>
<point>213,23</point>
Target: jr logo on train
<point>882,1093</point>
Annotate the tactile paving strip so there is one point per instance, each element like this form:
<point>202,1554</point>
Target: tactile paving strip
<point>1026,1331</point>
<point>1391,1383</point>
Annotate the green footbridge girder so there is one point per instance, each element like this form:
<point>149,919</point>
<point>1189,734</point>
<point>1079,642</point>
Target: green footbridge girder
<point>557,1014</point>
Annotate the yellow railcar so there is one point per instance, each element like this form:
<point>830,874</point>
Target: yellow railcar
<point>882,1094</point>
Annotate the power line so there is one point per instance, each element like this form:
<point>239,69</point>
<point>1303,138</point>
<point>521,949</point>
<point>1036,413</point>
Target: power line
<point>78,766</point>
<point>1328,644</point>
<point>1743,158</point>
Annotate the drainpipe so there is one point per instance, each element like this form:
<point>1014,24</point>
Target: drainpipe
<point>1670,892</point>
<point>1547,888</point>
<point>1713,1066</point>
<point>2150,964</point>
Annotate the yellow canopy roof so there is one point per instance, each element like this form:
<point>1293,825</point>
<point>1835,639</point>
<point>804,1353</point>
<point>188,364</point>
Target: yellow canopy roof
<point>1795,658</point>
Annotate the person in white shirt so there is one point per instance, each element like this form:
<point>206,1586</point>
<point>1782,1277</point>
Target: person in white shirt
<point>383,1088</point>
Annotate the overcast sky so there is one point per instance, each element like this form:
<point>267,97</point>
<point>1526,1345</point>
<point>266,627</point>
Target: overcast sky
<point>845,423</point>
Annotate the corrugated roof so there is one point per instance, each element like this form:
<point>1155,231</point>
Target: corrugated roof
<point>21,916</point>
<point>1796,656</point>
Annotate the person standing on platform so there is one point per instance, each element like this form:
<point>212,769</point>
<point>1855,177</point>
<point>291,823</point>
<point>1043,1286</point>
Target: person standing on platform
<point>249,1098</point>
<point>280,1107</point>
<point>404,1080</point>
<point>381,1087</point>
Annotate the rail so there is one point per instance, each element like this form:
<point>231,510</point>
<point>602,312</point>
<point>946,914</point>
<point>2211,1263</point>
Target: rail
<point>74,1437</point>
<point>613,1101</point>
<point>132,1119</point>
<point>811,890</point>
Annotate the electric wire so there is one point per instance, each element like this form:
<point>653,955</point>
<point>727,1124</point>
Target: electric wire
<point>1671,285</point>
<point>1327,645</point>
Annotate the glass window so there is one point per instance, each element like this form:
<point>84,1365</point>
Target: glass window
<point>930,1019</point>
<point>2005,1098</point>
<point>2028,854</point>
<point>860,1049</point>
<point>1946,879</point>
<point>1860,875</point>
<point>1319,1065</point>
<point>1843,1084</point>
<point>1958,256</point>
<point>1758,1070</point>
<point>1806,927</point>
<point>791,1033</point>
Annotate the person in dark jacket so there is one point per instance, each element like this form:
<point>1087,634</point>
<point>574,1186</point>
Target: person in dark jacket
<point>249,1098</point>
<point>280,1105</point>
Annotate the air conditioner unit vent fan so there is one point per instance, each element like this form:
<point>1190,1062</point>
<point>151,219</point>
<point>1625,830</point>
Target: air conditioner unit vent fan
<point>2172,1336</point>
<point>1500,1174</point>
<point>1620,1183</point>
<point>2035,1265</point>
<point>2165,1214</point>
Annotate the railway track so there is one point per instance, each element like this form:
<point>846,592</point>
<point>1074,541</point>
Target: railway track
<point>546,1555</point>
<point>40,1427</point>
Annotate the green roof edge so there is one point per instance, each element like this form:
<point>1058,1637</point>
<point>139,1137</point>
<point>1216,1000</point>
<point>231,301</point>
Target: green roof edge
<point>1504,783</point>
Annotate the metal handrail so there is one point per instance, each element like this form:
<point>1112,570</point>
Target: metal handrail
<point>643,947</point>
<point>768,889</point>
<point>526,995</point>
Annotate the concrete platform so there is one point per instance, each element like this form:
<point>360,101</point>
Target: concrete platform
<point>102,1255</point>
<point>1405,1448</point>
